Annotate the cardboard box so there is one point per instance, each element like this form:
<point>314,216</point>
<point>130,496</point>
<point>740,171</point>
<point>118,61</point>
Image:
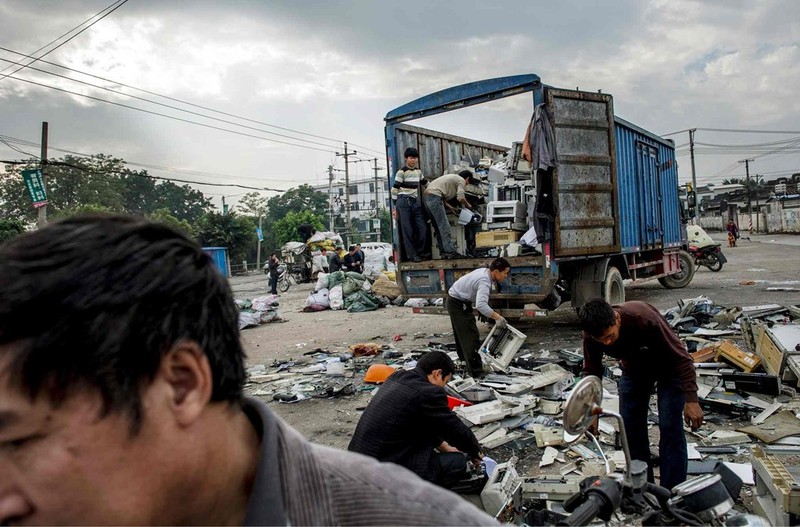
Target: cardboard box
<point>730,352</point>
<point>496,238</point>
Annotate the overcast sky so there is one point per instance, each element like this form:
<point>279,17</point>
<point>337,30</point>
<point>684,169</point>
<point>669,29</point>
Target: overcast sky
<point>333,69</point>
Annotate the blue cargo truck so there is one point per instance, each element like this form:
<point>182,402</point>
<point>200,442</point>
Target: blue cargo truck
<point>616,213</point>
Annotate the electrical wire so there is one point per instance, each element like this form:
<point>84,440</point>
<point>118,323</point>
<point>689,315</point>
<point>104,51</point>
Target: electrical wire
<point>178,100</point>
<point>151,112</point>
<point>169,106</point>
<point>113,7</point>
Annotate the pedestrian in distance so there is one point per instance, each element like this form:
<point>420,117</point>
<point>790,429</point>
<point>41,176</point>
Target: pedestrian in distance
<point>273,273</point>
<point>651,356</point>
<point>335,261</point>
<point>351,261</point>
<point>409,423</point>
<point>407,192</point>
<point>437,194</point>
<point>733,233</point>
<point>125,404</point>
<point>473,290</point>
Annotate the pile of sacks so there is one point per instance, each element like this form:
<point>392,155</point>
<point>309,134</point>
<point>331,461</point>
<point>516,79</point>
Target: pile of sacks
<point>347,290</point>
<point>260,310</point>
<point>324,240</point>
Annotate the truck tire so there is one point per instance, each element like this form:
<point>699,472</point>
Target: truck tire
<point>613,287</point>
<point>683,276</point>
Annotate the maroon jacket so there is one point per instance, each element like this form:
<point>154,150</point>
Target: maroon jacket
<point>646,347</point>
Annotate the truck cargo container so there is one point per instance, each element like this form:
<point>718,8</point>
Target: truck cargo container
<point>615,191</point>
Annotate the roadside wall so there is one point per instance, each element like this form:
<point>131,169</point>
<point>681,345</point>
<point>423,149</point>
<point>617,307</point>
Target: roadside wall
<point>780,220</point>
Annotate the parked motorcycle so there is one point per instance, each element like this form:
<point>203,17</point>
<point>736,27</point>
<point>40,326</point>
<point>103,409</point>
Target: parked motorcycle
<point>710,256</point>
<point>284,277</point>
<point>704,250</point>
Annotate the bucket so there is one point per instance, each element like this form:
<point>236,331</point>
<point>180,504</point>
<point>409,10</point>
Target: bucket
<point>465,217</point>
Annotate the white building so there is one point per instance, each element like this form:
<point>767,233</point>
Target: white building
<point>368,197</point>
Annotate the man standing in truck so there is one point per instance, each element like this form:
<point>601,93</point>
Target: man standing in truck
<point>439,192</point>
<point>473,289</point>
<point>406,191</point>
<point>651,356</point>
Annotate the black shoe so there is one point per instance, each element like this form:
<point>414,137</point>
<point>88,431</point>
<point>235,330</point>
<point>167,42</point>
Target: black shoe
<point>426,256</point>
<point>417,259</point>
<point>453,256</point>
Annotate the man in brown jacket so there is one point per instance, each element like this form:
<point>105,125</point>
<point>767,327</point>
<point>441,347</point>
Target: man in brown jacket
<point>651,355</point>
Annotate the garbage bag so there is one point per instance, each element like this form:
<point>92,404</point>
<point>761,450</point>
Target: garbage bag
<point>360,301</point>
<point>383,287</point>
<point>248,318</point>
<point>322,282</point>
<point>320,297</point>
<point>335,279</point>
<point>265,303</point>
<point>416,302</point>
<point>336,297</point>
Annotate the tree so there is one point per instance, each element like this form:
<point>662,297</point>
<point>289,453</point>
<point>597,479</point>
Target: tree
<point>235,232</point>
<point>253,204</point>
<point>286,228</point>
<point>386,225</point>
<point>99,182</point>
<point>302,198</point>
<point>164,216</point>
<point>10,228</point>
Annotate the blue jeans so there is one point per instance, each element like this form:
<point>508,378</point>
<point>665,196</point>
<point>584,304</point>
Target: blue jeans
<point>437,211</point>
<point>412,226</point>
<point>634,403</point>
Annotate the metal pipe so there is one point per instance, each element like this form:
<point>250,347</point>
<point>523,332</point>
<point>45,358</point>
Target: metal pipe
<point>625,449</point>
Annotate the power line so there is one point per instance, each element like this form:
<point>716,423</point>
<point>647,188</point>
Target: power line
<point>113,7</point>
<point>178,101</point>
<point>175,99</point>
<point>745,131</point>
<point>155,167</point>
<point>151,112</point>
<point>168,105</point>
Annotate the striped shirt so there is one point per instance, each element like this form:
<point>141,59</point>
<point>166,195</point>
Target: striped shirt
<point>407,182</point>
<point>474,287</point>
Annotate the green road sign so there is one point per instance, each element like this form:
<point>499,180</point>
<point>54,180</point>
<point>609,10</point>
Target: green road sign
<point>35,185</point>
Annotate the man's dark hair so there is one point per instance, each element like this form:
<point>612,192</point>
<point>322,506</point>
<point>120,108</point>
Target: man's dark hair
<point>436,360</point>
<point>94,302</point>
<point>466,174</point>
<point>323,249</point>
<point>351,248</point>
<point>596,316</point>
<point>411,152</point>
<point>499,264</point>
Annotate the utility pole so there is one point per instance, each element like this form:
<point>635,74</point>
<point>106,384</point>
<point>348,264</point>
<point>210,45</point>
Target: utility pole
<point>330,198</point>
<point>224,207</point>
<point>747,186</point>
<point>347,190</point>
<point>377,200</point>
<point>42,219</point>
<point>758,205</point>
<point>694,176</point>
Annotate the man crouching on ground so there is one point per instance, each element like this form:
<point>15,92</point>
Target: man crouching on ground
<point>409,423</point>
<point>121,375</point>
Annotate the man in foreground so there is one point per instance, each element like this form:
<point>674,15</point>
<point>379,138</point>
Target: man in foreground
<point>409,423</point>
<point>468,291</point>
<point>651,355</point>
<point>124,405</point>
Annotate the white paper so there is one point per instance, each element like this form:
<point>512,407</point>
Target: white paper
<point>490,465</point>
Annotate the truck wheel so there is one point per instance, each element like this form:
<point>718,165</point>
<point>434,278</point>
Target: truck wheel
<point>613,288</point>
<point>684,274</point>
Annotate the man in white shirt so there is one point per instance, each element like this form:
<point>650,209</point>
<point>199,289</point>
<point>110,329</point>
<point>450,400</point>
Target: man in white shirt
<point>473,289</point>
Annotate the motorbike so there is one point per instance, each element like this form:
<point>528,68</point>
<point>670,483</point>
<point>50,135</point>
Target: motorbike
<point>704,250</point>
<point>284,277</point>
<point>710,256</point>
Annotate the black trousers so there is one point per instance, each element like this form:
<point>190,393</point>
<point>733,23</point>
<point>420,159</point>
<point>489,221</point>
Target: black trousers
<point>465,330</point>
<point>452,467</point>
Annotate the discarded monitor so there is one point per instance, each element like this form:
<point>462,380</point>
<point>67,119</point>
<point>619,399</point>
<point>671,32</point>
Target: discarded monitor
<point>501,346</point>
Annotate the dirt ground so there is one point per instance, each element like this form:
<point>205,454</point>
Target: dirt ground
<point>768,261</point>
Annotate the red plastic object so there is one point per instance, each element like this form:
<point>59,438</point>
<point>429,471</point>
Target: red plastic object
<point>452,402</point>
